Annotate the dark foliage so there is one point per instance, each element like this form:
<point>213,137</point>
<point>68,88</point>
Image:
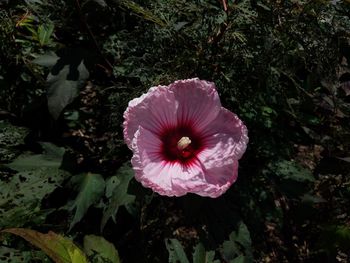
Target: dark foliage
<point>67,72</point>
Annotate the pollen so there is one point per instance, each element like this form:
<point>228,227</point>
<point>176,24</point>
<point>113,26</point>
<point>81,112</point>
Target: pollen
<point>183,143</point>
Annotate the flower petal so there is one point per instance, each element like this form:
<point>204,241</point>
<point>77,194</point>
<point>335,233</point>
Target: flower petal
<point>154,110</point>
<point>163,177</point>
<point>199,102</point>
<point>150,168</point>
<point>229,133</point>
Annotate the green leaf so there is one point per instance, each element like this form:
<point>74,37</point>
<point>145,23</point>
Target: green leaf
<point>91,188</point>
<point>62,90</point>
<point>200,255</point>
<point>58,248</point>
<point>119,196</point>
<point>238,247</point>
<point>21,196</point>
<point>100,249</point>
<point>46,60</point>
<point>45,33</point>
<point>176,251</point>
<point>291,170</point>
<point>52,157</point>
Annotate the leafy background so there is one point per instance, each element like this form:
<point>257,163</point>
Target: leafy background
<point>67,72</point>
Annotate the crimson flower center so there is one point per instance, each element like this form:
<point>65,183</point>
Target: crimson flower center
<point>181,144</point>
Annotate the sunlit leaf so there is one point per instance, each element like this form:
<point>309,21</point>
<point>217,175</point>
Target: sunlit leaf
<point>58,248</point>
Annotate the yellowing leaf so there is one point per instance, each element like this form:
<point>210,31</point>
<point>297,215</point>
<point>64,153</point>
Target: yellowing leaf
<point>57,247</point>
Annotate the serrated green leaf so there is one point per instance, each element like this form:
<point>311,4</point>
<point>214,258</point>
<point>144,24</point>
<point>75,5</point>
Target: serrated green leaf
<point>100,249</point>
<point>120,196</point>
<point>176,251</point>
<point>91,189</point>
<point>58,248</point>
<point>62,91</point>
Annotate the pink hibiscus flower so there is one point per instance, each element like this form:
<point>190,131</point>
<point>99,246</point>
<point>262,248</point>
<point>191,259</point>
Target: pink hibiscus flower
<point>183,140</point>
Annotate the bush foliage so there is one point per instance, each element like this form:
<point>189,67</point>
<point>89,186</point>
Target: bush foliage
<point>67,72</point>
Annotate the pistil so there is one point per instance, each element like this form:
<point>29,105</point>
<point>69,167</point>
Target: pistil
<point>183,143</point>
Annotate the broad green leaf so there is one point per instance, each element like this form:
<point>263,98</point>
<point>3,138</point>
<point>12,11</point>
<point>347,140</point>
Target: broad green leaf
<point>176,251</point>
<point>200,255</point>
<point>21,196</point>
<point>91,188</point>
<point>120,196</point>
<point>58,248</point>
<point>46,60</point>
<point>62,90</point>
<point>51,158</point>
<point>291,170</point>
<point>100,249</point>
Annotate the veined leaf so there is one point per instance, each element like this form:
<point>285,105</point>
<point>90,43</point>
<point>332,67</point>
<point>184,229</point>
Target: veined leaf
<point>45,33</point>
<point>100,249</point>
<point>91,189</point>
<point>119,195</point>
<point>58,248</point>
